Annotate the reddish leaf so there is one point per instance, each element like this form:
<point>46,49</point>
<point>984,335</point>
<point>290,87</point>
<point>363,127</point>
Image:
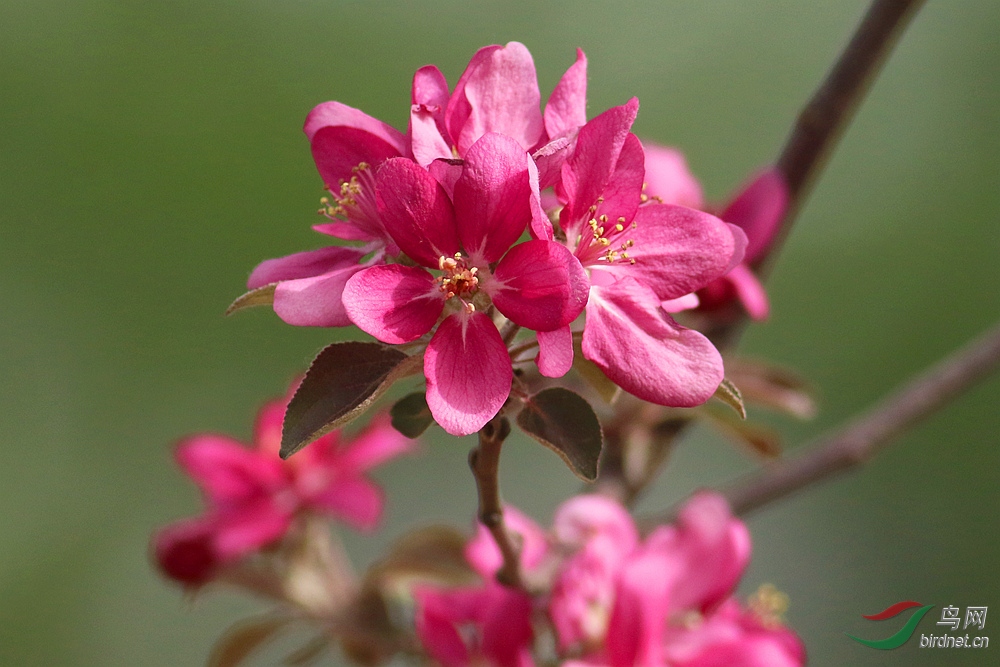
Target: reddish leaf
<point>565,423</point>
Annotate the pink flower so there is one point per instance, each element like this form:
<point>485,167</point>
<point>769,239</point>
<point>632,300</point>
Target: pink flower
<point>537,284</point>
<point>488,624</point>
<point>638,256</point>
<point>757,209</point>
<point>253,496</point>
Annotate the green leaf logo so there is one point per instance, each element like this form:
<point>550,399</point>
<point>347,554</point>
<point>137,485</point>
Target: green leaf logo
<point>904,634</point>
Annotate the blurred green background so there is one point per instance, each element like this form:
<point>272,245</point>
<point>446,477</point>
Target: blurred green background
<point>151,155</point>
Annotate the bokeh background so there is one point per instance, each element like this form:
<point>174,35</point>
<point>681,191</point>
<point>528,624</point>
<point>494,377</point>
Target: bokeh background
<point>151,155</point>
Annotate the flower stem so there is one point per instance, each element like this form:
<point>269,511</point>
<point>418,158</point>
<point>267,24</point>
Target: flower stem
<point>484,461</point>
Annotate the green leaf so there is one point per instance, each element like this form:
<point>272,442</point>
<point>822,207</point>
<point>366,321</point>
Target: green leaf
<point>262,296</point>
<point>731,396</point>
<point>565,423</point>
<point>241,640</point>
<point>342,382</point>
<point>411,416</point>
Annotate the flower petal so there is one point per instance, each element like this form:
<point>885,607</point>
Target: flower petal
<point>394,303</point>
<point>375,445</point>
<point>416,211</point>
<point>428,133</point>
<point>566,110</point>
<point>668,177</point>
<point>316,301</point>
<point>500,93</point>
<point>642,350</point>
<point>539,285</point>
<point>586,173</point>
<point>484,555</point>
<point>303,265</point>
<point>245,528</point>
<point>468,373</point>
<point>555,352</point>
<point>226,470</point>
<point>335,114</point>
<point>641,608</point>
<point>338,150</point>
<point>353,499</point>
<point>758,209</point>
<point>749,291</point>
<point>184,552</point>
<point>676,250</point>
<point>493,197</point>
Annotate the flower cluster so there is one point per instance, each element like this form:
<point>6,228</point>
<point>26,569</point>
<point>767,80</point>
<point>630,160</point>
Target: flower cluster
<point>614,600</point>
<point>253,497</point>
<point>491,215</point>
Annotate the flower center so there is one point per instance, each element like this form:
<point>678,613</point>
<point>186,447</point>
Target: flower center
<point>458,279</point>
<point>769,605</point>
<point>355,201</point>
<point>609,238</point>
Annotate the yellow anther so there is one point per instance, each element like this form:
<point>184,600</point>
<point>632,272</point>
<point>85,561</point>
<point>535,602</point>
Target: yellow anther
<point>604,241</point>
<point>619,227</point>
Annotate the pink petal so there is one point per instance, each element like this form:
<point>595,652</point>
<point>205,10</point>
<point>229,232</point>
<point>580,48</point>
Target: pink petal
<point>468,373</point>
<point>623,193</point>
<point>303,265</point>
<point>375,445</point>
<point>395,303</point>
<point>676,250</point>
<point>335,114</point>
<point>758,209</point>
<point>353,499</point>
<point>459,109</point>
<point>668,177</point>
<point>555,352</point>
<point>550,159</point>
<point>749,291</point>
<point>337,150</point>
<point>501,91</point>
<point>681,303</point>
<point>226,470</point>
<point>492,197</point>
<point>641,609</point>
<point>539,285</point>
<point>642,350</point>
<point>316,301</point>
<point>437,618</point>
<point>428,135</point>
<point>267,428</point>
<point>507,631</point>
<point>586,173</point>
<point>566,110</point>
<point>348,231</point>
<point>540,226</point>
<point>583,517</point>
<point>245,528</point>
<point>416,211</point>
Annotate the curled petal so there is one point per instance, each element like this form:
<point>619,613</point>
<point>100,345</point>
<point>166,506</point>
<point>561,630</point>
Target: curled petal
<point>303,265</point>
<point>468,373</point>
<point>550,158</point>
<point>642,350</point>
<point>335,114</point>
<point>316,301</point>
<point>555,352</point>
<point>416,211</point>
<point>668,177</point>
<point>539,285</point>
<point>428,134</point>
<point>493,197</point>
<point>566,110</point>
<point>395,303</point>
<point>681,303</point>
<point>184,551</point>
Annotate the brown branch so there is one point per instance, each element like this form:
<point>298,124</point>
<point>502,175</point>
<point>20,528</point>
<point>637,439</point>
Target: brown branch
<point>863,437</point>
<point>832,106</point>
<point>484,461</point>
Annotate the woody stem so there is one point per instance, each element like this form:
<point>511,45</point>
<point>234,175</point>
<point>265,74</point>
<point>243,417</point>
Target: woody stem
<point>484,461</point>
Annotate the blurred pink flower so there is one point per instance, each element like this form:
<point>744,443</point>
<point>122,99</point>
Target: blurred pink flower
<point>252,496</point>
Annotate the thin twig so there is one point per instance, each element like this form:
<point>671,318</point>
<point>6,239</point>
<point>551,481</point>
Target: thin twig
<point>832,106</point>
<point>484,461</point>
<point>863,437</point>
